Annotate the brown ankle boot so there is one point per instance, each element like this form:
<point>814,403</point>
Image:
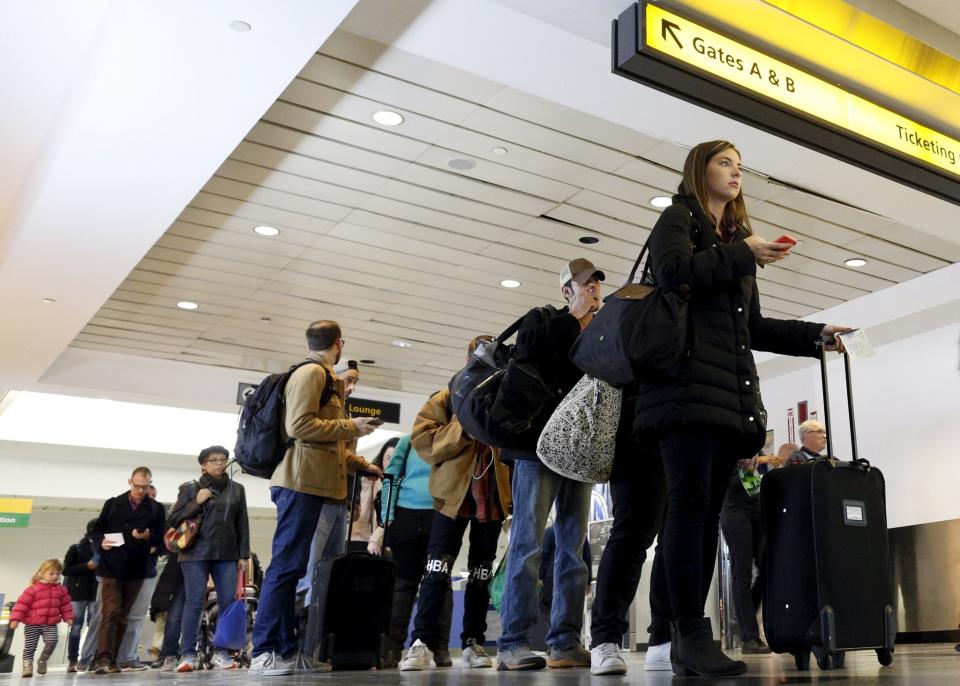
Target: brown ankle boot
<point>27,670</point>
<point>42,662</point>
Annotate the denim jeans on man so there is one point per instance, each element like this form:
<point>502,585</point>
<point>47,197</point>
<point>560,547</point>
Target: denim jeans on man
<point>535,488</point>
<point>130,644</point>
<point>89,652</point>
<point>329,540</point>
<point>82,614</point>
<point>173,625</point>
<point>297,516</point>
<point>195,573</point>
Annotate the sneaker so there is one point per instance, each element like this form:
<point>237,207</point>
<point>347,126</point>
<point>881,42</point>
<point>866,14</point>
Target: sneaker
<point>574,656</point>
<point>102,668</point>
<point>418,658</point>
<point>658,658</point>
<point>189,663</point>
<point>281,666</point>
<point>71,666</point>
<point>133,667</point>
<point>520,658</point>
<point>223,661</point>
<point>260,663</point>
<point>474,655</point>
<point>606,659</point>
<point>754,647</point>
<point>168,664</point>
<point>441,658</point>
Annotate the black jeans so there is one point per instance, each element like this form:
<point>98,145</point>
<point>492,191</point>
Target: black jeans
<point>743,531</point>
<point>445,541</point>
<point>638,491</point>
<point>697,464</point>
<point>406,540</point>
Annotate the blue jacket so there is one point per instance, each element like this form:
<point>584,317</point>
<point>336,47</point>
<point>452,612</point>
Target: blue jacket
<point>414,492</point>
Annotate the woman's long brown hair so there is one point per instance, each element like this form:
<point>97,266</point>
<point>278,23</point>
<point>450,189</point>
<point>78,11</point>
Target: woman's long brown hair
<point>694,183</point>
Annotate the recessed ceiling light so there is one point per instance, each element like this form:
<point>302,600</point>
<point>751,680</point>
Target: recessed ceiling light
<point>461,164</point>
<point>402,344</point>
<point>388,118</point>
<point>499,150</point>
<point>368,361</point>
<point>47,301</point>
<point>589,240</point>
<point>266,230</point>
<point>661,201</point>
<point>266,319</point>
<point>188,305</point>
<point>510,283</point>
<point>855,262</point>
<point>240,26</point>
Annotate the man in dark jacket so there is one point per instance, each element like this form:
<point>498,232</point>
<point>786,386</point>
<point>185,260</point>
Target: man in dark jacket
<point>81,583</point>
<point>544,341</point>
<point>129,525</point>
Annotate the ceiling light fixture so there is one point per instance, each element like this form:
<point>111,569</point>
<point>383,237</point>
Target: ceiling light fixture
<point>510,283</point>
<point>240,26</point>
<point>855,262</point>
<point>266,319</point>
<point>266,230</point>
<point>188,305</point>
<point>589,240</point>
<point>402,344</point>
<point>461,164</point>
<point>368,361</point>
<point>47,301</point>
<point>661,201</point>
<point>388,118</point>
<point>499,150</point>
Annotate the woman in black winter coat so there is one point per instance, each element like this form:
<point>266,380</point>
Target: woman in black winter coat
<point>221,547</point>
<point>711,415</point>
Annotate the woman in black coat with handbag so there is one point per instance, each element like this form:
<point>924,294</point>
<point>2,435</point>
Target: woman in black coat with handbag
<point>220,547</point>
<point>711,415</point>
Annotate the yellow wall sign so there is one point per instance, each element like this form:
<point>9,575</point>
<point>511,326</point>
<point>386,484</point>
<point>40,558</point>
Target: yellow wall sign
<point>754,71</point>
<point>15,512</point>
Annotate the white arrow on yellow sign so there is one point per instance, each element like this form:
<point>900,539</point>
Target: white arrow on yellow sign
<point>733,62</point>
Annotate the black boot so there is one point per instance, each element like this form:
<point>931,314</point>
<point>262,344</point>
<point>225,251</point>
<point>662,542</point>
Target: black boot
<point>693,652</point>
<point>403,598</point>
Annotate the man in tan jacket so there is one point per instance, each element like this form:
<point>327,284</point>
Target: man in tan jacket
<point>471,486</point>
<point>312,475</point>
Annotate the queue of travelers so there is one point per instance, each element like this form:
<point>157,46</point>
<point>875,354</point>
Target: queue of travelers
<point>679,445</point>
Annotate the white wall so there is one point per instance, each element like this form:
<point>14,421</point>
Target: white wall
<point>907,411</point>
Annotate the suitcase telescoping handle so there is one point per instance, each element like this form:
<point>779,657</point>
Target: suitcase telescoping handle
<point>356,489</point>
<point>826,404</point>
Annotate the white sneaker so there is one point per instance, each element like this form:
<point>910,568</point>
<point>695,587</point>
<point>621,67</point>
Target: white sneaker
<point>223,661</point>
<point>606,659</point>
<point>280,666</point>
<point>658,658</point>
<point>260,663</point>
<point>474,656</point>
<point>169,664</point>
<point>418,658</point>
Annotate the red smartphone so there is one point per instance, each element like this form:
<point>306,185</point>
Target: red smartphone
<point>787,239</point>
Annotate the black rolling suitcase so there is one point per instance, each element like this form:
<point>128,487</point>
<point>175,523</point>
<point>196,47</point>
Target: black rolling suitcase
<point>829,586</point>
<point>348,620</point>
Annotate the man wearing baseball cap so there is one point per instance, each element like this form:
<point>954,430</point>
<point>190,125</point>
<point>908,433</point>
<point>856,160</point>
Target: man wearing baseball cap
<point>544,341</point>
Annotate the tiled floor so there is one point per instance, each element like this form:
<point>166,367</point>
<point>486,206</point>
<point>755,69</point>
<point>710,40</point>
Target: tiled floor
<point>926,665</point>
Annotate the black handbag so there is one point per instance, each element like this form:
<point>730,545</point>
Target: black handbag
<point>639,334</point>
<point>499,400</point>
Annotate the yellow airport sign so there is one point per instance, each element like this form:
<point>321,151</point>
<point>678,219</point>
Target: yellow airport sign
<point>734,63</point>
<point>15,512</point>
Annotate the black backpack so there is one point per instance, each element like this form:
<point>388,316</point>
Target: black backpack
<point>260,444</point>
<point>499,400</point>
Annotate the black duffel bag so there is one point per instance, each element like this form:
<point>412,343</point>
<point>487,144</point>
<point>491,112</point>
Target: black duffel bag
<point>639,334</point>
<point>499,400</point>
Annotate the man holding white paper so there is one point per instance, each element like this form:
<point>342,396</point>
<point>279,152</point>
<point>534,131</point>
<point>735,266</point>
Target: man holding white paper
<point>129,525</point>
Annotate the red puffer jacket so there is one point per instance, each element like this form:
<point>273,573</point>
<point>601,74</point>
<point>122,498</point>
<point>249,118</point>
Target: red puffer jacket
<point>43,604</point>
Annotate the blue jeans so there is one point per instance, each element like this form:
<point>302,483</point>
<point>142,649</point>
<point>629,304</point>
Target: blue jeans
<point>297,517</point>
<point>82,612</point>
<point>171,628</point>
<point>90,643</point>
<point>195,573</point>
<point>535,488</point>
<point>329,540</point>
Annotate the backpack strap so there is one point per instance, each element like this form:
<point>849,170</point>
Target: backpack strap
<point>395,490</point>
<point>329,387</point>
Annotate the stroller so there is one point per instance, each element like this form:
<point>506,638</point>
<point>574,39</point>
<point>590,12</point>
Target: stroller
<point>208,627</point>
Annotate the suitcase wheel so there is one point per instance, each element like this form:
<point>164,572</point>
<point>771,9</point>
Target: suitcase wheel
<point>802,659</point>
<point>826,661</point>
<point>838,659</point>
<point>885,657</point>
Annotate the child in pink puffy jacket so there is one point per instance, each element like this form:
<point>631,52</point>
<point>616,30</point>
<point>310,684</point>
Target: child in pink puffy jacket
<point>40,608</point>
